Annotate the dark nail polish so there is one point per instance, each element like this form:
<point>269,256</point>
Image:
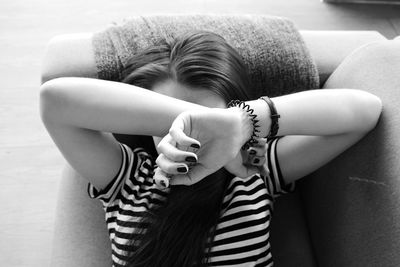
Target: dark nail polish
<point>252,152</point>
<point>191,159</point>
<point>256,161</point>
<point>182,169</point>
<point>195,146</point>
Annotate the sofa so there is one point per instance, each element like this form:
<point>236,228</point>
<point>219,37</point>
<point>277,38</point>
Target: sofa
<point>347,213</point>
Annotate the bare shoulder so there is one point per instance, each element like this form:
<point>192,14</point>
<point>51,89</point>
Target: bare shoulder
<point>69,55</point>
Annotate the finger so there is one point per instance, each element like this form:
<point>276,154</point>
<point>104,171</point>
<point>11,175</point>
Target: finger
<point>264,171</point>
<point>260,142</point>
<point>176,131</point>
<point>161,179</point>
<point>171,167</point>
<point>175,154</point>
<point>258,161</point>
<point>182,139</point>
<point>196,174</point>
<point>256,151</point>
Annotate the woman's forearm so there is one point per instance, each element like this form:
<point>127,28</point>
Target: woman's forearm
<point>122,108</point>
<point>321,112</point>
<point>109,106</point>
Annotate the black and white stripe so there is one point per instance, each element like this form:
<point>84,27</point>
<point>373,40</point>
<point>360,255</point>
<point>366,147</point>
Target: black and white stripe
<point>242,233</point>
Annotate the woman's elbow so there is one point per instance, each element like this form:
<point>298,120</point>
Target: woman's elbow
<point>49,101</point>
<point>370,109</point>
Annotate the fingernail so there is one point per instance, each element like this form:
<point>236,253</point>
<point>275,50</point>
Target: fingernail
<point>256,161</point>
<point>252,152</point>
<point>182,169</point>
<point>195,146</point>
<point>191,159</point>
<point>163,183</point>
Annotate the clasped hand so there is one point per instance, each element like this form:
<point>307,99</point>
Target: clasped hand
<point>202,141</point>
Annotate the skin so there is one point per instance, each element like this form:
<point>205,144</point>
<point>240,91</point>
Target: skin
<point>80,114</point>
<point>207,98</point>
<point>198,96</point>
<point>312,134</point>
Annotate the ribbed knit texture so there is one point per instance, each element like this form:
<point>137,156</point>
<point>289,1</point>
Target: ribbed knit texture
<point>272,48</point>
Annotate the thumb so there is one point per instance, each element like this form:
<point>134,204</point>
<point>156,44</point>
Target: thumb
<point>177,131</point>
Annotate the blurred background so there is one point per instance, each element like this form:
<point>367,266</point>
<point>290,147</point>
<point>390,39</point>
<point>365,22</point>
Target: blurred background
<point>30,164</point>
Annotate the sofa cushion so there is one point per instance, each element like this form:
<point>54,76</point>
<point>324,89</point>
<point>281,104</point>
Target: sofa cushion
<point>273,49</point>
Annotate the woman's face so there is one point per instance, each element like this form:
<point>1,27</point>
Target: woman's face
<point>204,97</point>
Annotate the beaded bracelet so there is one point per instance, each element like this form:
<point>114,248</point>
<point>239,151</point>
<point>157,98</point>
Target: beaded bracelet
<point>249,111</point>
<point>274,117</point>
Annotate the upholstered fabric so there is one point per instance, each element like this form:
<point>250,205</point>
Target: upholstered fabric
<point>273,49</point>
<point>352,204</point>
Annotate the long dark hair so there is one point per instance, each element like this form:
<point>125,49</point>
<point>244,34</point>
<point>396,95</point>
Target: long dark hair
<point>180,232</point>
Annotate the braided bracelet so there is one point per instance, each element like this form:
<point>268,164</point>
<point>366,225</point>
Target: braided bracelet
<point>249,111</point>
<point>274,117</point>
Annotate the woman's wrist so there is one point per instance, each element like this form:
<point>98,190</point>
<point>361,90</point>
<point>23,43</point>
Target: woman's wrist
<point>244,123</point>
<point>262,117</point>
<point>255,119</point>
<point>262,112</point>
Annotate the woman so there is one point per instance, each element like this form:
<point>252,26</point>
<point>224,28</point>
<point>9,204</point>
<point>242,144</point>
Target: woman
<point>204,197</point>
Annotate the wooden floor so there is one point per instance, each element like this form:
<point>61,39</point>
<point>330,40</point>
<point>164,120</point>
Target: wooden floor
<point>30,163</point>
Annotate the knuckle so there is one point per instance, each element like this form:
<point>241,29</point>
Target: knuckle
<point>172,154</point>
<point>174,157</point>
<point>172,131</point>
<point>168,169</point>
<point>164,164</point>
<point>158,160</point>
<point>159,146</point>
<point>260,152</point>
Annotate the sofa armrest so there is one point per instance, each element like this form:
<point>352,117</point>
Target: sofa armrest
<point>329,48</point>
<point>69,55</point>
<point>352,204</point>
<point>80,234</point>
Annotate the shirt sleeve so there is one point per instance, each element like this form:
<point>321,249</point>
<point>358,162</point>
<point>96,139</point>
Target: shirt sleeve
<point>108,194</point>
<point>272,173</point>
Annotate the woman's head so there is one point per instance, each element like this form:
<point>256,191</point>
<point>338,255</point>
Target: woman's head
<point>201,68</point>
<point>198,67</point>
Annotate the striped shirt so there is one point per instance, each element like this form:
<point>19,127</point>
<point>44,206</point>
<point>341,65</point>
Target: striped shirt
<point>242,236</point>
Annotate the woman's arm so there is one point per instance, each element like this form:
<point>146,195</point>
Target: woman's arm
<point>321,112</point>
<point>316,126</point>
<point>80,114</point>
<point>109,106</point>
